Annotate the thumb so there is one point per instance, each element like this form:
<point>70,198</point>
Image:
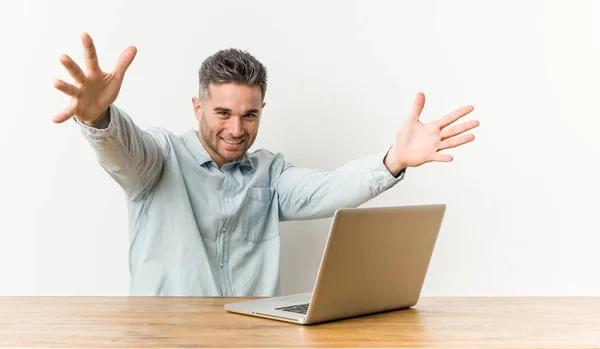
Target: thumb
<point>418,105</point>
<point>125,61</point>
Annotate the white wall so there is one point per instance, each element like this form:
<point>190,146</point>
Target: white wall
<point>522,200</point>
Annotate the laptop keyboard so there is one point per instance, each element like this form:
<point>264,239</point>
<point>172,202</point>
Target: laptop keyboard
<point>298,308</point>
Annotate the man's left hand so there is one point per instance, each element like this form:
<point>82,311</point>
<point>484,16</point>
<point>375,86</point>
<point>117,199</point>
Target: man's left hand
<point>418,143</point>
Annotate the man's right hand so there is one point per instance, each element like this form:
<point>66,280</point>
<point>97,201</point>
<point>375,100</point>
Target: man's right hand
<point>95,90</point>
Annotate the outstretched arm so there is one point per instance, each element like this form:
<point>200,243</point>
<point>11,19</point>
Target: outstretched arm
<point>310,194</point>
<point>131,156</point>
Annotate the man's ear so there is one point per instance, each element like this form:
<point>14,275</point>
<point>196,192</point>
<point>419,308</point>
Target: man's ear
<point>264,104</point>
<point>197,108</point>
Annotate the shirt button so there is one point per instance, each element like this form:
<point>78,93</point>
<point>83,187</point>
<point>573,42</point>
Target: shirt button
<point>222,264</point>
<point>224,229</point>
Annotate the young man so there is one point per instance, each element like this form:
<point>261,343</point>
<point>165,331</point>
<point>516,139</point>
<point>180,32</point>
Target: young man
<point>204,213</point>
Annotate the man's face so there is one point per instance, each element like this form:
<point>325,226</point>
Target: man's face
<point>229,120</point>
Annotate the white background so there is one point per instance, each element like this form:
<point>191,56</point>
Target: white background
<point>522,199</point>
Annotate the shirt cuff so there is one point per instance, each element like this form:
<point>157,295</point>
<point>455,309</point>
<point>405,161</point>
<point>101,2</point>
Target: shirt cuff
<point>99,133</point>
<point>382,177</point>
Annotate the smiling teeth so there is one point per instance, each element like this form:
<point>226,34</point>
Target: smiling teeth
<point>231,142</point>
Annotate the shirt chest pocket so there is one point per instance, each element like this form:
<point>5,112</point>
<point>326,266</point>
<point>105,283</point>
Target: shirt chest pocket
<point>259,218</point>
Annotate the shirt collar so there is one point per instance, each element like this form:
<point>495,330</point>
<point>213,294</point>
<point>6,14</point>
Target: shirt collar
<point>201,155</point>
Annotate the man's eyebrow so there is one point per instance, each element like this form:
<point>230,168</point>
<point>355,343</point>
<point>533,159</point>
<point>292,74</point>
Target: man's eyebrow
<point>250,111</point>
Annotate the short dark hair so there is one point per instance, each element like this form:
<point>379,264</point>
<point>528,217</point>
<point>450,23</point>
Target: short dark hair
<point>232,66</point>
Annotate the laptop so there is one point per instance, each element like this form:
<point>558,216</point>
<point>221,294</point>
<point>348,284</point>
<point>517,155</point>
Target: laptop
<point>375,260</point>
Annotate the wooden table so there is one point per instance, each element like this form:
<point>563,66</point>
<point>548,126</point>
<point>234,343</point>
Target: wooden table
<point>92,322</point>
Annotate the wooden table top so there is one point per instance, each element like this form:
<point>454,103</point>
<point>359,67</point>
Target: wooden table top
<point>151,322</point>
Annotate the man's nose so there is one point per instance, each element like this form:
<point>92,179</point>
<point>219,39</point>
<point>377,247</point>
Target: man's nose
<point>235,127</point>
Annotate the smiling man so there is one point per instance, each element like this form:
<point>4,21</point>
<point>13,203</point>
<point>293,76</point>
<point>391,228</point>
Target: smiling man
<point>204,212</point>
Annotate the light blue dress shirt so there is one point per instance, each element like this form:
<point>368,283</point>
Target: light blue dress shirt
<point>197,230</point>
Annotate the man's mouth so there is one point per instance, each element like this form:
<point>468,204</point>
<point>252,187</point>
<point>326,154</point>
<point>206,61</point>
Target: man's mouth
<point>232,141</point>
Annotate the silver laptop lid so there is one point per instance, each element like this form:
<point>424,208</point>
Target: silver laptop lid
<point>375,259</point>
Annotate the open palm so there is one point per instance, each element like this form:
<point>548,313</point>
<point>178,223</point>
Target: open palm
<point>418,143</point>
<point>94,91</point>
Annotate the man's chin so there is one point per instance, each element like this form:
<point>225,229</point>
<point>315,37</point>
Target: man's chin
<point>232,156</point>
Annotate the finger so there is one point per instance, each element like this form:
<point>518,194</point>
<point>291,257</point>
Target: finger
<point>66,88</point>
<point>89,51</point>
<point>441,157</point>
<point>455,141</point>
<point>73,69</point>
<point>458,129</point>
<point>455,115</point>
<point>65,115</point>
<point>418,105</point>
<point>125,61</point>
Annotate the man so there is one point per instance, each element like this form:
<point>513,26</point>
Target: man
<point>204,213</point>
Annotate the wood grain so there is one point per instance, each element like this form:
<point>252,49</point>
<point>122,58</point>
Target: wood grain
<point>149,322</point>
